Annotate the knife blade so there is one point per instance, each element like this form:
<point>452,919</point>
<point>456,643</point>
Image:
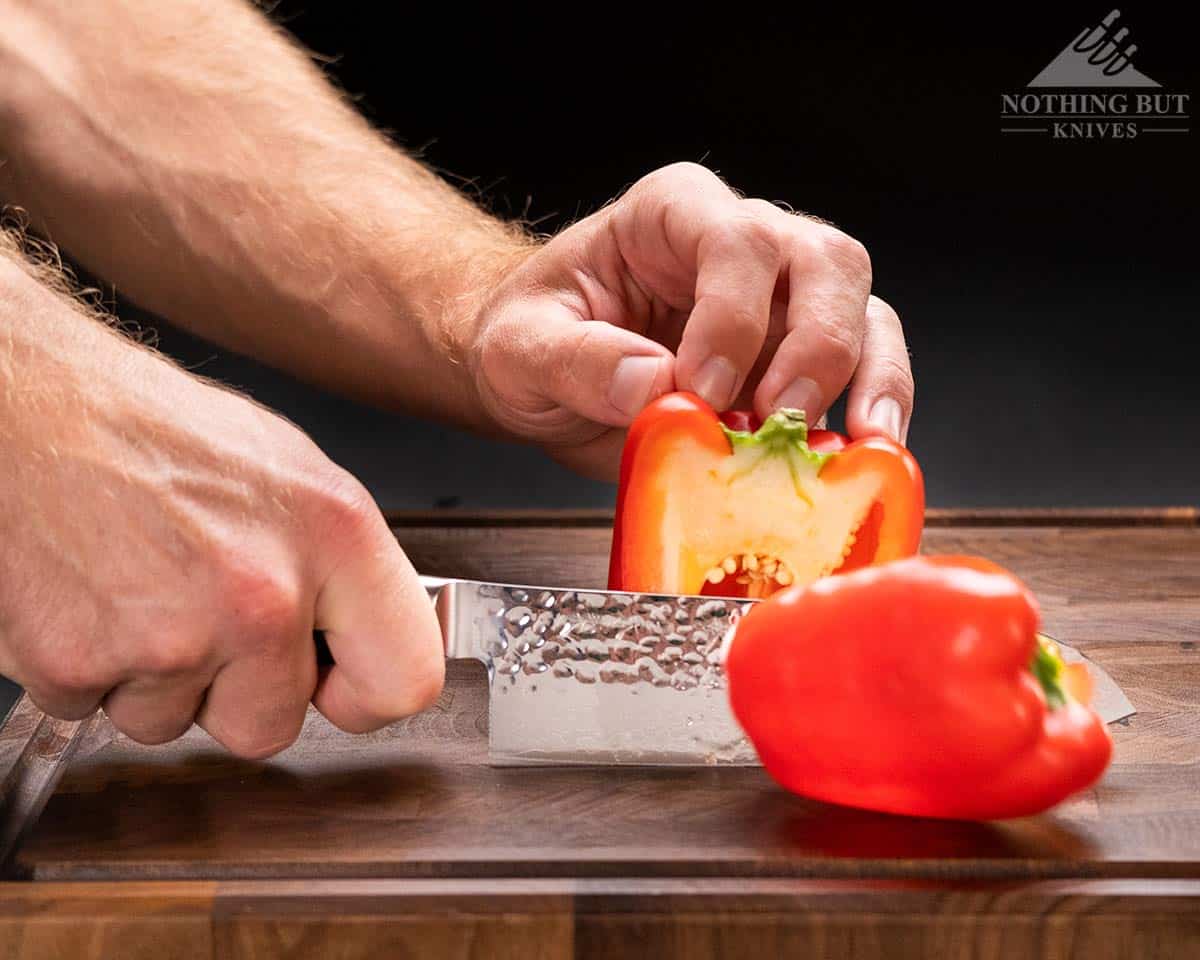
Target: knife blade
<point>587,676</point>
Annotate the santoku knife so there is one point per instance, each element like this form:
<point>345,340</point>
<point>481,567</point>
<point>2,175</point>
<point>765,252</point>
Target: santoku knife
<point>577,676</point>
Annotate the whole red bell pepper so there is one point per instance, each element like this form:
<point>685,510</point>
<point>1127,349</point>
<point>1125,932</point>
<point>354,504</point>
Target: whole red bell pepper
<point>730,506</point>
<point>917,687</point>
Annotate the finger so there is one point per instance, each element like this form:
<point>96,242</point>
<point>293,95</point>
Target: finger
<point>156,710</point>
<point>881,395</point>
<point>382,632</point>
<point>775,334</point>
<point>829,281</point>
<point>552,366</point>
<point>737,267</point>
<point>61,682</point>
<point>256,702</point>
<point>702,249</point>
<point>255,705</point>
<point>62,703</point>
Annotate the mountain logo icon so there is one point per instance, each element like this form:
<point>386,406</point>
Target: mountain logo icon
<point>1101,56</point>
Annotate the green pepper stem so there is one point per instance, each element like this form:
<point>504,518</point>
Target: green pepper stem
<point>1047,666</point>
<point>785,432</point>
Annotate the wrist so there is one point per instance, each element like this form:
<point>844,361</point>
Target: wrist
<point>462,317</point>
<point>442,311</point>
<point>67,378</point>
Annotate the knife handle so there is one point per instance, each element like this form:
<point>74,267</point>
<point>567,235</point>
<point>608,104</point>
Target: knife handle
<point>433,587</point>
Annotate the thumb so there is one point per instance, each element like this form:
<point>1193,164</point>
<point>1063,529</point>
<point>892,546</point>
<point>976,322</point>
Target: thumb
<point>382,632</point>
<point>539,355</point>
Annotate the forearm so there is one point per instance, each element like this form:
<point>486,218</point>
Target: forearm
<point>59,358</point>
<point>189,154</point>
<point>78,397</point>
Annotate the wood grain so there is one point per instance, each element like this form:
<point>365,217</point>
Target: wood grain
<point>101,921</point>
<point>702,862</point>
<point>661,918</point>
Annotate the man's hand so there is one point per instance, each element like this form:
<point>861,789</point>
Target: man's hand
<point>168,547</point>
<point>682,284</point>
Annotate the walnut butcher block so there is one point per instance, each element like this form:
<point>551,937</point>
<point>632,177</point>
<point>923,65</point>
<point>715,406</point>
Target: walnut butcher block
<point>406,842</point>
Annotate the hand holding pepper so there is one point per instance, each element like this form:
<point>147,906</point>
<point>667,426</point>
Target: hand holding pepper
<point>683,284</point>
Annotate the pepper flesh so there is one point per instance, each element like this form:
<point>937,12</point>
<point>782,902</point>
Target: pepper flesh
<point>731,506</point>
<point>918,687</point>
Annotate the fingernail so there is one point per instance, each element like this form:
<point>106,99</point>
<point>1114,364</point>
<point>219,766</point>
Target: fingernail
<point>633,384</point>
<point>886,416</point>
<point>715,382</point>
<point>801,394</point>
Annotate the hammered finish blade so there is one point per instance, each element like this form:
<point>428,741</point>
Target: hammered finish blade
<point>584,676</point>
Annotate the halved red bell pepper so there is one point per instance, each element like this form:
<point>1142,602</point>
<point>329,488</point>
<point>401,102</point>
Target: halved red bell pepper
<point>729,506</point>
<point>918,687</point>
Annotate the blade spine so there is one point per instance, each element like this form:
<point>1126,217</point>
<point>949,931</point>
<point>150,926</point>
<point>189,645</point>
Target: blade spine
<point>458,632</point>
<point>603,590</point>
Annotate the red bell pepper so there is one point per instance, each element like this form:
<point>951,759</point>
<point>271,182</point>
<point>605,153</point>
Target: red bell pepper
<point>918,687</point>
<point>729,506</point>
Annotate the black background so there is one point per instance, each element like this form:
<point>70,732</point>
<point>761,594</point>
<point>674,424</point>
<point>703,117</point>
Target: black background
<point>1048,288</point>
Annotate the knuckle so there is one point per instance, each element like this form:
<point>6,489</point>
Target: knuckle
<point>884,310</point>
<point>748,232</point>
<point>348,499</point>
<point>765,208</point>
<point>848,255</point>
<point>347,507</point>
<point>66,675</point>
<point>661,197</point>
<point>265,605</point>
<point>742,320</point>
<point>683,173</point>
<point>169,654</point>
<point>896,379</point>
<point>840,348</point>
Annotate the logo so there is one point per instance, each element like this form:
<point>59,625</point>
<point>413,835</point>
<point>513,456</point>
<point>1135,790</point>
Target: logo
<point>1093,91</point>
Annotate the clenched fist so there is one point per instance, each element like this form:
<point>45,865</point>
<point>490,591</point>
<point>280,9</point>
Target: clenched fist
<point>168,548</point>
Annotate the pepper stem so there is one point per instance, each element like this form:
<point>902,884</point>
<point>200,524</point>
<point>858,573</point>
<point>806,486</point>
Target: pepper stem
<point>783,432</point>
<point>1047,666</point>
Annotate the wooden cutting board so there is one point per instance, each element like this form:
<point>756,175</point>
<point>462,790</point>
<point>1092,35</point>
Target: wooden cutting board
<point>410,829</point>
